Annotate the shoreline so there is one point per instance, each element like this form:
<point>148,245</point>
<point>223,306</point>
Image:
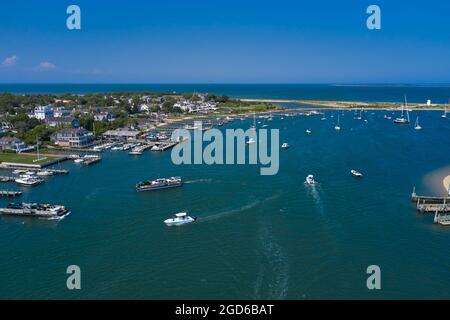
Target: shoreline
<point>351,105</point>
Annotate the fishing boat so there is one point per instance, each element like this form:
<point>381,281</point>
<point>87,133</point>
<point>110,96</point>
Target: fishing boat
<point>402,119</point>
<point>337,127</point>
<point>310,180</point>
<point>356,173</point>
<point>417,125</point>
<point>179,219</point>
<point>79,160</point>
<point>285,146</point>
<point>158,184</point>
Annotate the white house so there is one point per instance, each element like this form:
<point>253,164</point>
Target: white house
<point>43,112</point>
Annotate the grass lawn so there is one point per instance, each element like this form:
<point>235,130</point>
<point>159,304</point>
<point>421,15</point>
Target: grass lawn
<point>24,158</point>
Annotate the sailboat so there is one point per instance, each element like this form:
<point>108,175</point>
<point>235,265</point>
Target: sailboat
<point>253,127</point>
<point>417,125</point>
<point>402,119</point>
<point>444,115</point>
<point>337,126</point>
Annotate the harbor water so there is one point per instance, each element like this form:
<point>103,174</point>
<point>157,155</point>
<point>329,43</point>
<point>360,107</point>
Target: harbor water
<point>264,237</point>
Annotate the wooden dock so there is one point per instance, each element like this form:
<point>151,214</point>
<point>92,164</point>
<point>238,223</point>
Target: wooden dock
<point>6,193</point>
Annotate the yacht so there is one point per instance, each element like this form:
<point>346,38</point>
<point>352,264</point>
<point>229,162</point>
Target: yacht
<point>402,119</point>
<point>44,173</point>
<point>417,125</point>
<point>158,184</point>
<point>356,173</point>
<point>285,146</point>
<point>443,220</point>
<point>179,219</point>
<point>135,152</point>
<point>310,180</point>
<point>28,180</point>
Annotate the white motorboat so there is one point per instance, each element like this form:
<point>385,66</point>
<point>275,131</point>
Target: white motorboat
<point>44,173</point>
<point>79,160</point>
<point>179,219</point>
<point>356,173</point>
<point>442,219</point>
<point>308,131</point>
<point>310,180</point>
<point>27,180</point>
<point>285,146</point>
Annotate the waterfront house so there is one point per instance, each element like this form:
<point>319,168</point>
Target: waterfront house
<point>122,135</point>
<point>104,116</point>
<point>43,112</point>
<point>13,144</point>
<point>73,137</point>
<point>63,122</point>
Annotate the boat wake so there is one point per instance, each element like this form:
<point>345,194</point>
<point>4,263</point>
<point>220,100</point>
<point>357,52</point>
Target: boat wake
<point>272,281</point>
<point>248,206</point>
<point>198,181</point>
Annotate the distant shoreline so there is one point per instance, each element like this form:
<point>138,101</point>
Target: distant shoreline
<point>351,104</point>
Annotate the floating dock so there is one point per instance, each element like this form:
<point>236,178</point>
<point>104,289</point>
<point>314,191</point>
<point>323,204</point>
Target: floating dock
<point>5,193</point>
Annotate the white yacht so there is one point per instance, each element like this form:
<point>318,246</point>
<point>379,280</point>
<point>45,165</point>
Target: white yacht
<point>44,173</point>
<point>310,180</point>
<point>179,219</point>
<point>79,160</point>
<point>28,180</point>
<point>417,125</point>
<point>285,146</point>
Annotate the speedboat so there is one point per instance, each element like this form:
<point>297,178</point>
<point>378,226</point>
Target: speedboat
<point>356,173</point>
<point>179,219</point>
<point>310,180</point>
<point>308,131</point>
<point>285,145</point>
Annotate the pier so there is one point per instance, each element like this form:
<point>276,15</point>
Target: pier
<point>6,193</point>
<point>430,204</point>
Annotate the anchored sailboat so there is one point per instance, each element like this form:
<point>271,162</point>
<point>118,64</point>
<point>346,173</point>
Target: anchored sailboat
<point>402,119</point>
<point>337,126</point>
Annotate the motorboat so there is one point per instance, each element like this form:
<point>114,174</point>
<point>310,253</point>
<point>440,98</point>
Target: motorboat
<point>44,173</point>
<point>310,180</point>
<point>356,173</point>
<point>285,146</point>
<point>27,180</point>
<point>308,131</point>
<point>179,219</point>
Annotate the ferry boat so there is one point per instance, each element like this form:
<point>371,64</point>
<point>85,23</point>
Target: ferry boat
<point>35,210</point>
<point>356,173</point>
<point>285,145</point>
<point>162,183</point>
<point>310,180</point>
<point>179,219</point>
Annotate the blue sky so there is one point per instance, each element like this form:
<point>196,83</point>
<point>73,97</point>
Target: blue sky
<point>225,41</point>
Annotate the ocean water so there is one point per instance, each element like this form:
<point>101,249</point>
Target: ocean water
<point>257,237</point>
<point>438,93</point>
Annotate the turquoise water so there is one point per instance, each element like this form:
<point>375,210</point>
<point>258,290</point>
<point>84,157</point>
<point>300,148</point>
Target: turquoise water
<point>438,93</point>
<point>257,236</point>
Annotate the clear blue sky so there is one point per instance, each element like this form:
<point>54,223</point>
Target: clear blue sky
<point>225,41</point>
